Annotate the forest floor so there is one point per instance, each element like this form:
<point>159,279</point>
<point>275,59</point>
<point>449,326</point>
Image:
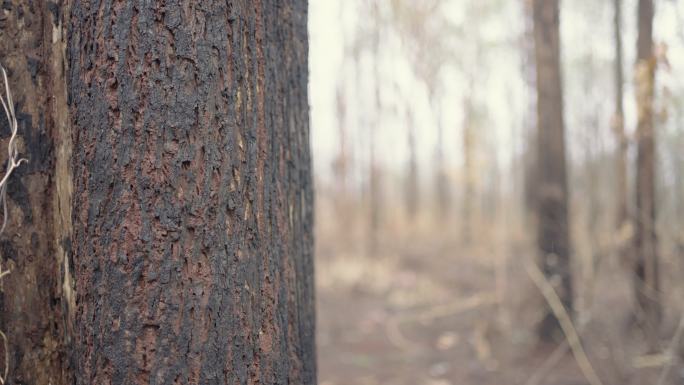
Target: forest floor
<point>425,311</point>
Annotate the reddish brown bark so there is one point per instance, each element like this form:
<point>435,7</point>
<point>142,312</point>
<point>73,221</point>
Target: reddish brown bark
<point>192,192</point>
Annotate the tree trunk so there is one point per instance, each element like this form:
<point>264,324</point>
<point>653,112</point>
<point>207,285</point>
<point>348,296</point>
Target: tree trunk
<point>441,178</point>
<point>340,166</point>
<point>412,189</point>
<point>646,280</point>
<point>552,194</point>
<point>469,171</point>
<point>35,245</point>
<point>374,172</point>
<point>192,192</point>
<point>621,187</point>
<point>529,155</point>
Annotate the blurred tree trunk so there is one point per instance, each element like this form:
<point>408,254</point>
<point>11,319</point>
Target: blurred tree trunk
<point>469,170</point>
<point>192,193</point>
<point>340,167</point>
<point>36,295</point>
<point>529,139</point>
<point>552,193</point>
<point>412,192</point>
<point>621,187</point>
<point>374,193</point>
<point>646,279</point>
<point>441,180</point>
<point>374,171</point>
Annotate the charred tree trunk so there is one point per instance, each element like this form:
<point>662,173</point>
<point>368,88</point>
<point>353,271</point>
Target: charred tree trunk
<point>552,194</point>
<point>35,246</point>
<point>646,280</point>
<point>621,187</point>
<point>192,192</point>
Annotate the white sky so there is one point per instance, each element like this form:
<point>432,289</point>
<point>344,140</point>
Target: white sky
<point>501,94</point>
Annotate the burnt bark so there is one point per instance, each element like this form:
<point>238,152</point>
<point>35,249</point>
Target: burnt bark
<point>646,277</point>
<point>552,191</point>
<point>35,245</point>
<point>192,192</point>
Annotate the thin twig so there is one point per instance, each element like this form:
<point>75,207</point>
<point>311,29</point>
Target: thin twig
<point>565,322</point>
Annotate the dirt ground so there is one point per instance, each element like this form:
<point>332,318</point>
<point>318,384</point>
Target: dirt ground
<point>426,310</point>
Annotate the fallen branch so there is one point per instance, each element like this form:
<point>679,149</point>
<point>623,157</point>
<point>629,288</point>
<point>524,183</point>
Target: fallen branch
<point>571,335</point>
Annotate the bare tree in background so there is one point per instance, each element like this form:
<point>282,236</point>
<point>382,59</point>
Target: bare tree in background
<point>552,193</point>
<point>428,55</point>
<point>412,188</point>
<point>529,155</point>
<point>340,166</point>
<point>375,174</point>
<point>441,178</point>
<point>646,277</point>
<point>621,188</point>
<point>469,168</point>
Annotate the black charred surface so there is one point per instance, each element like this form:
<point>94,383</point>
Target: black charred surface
<point>32,308</point>
<point>192,192</point>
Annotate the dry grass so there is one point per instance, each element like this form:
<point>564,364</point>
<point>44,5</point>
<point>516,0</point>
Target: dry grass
<point>439,309</point>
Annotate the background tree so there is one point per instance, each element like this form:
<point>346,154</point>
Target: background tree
<point>192,193</point>
<point>412,183</point>
<point>646,278</point>
<point>621,188</point>
<point>552,194</point>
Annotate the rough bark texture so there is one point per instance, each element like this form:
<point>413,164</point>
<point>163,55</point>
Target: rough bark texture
<point>36,241</point>
<point>192,192</point>
<point>646,280</point>
<point>552,192</point>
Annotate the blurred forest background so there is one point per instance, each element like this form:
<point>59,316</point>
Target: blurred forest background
<point>457,209</point>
